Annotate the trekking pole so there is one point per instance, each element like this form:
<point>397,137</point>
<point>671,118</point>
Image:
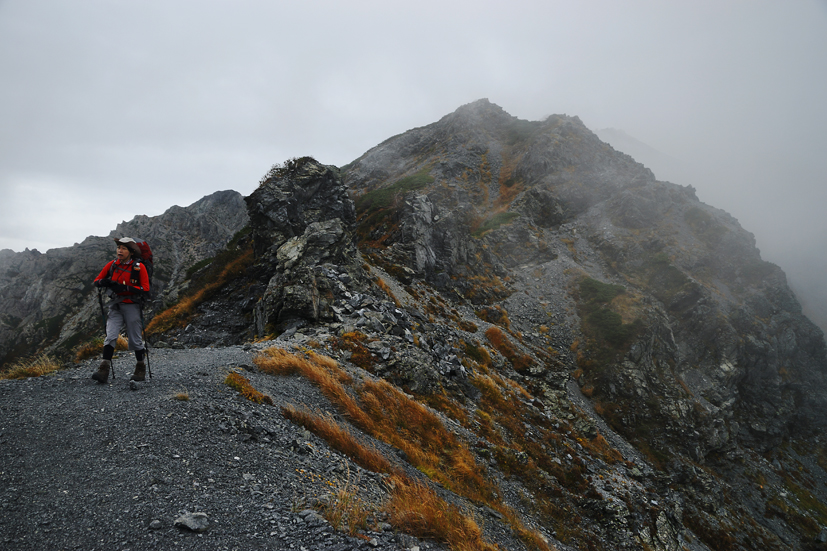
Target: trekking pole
<point>103,318</point>
<point>146,343</point>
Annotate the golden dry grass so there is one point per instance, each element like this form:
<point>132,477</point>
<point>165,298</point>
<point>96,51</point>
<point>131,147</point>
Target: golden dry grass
<point>360,355</point>
<point>600,447</point>
<point>386,413</point>
<point>245,388</point>
<point>320,370</point>
<point>386,288</point>
<point>95,348</point>
<point>89,350</point>
<point>629,305</point>
<point>418,510</point>
<point>498,340</point>
<point>416,430</point>
<point>391,416</point>
<point>347,509</point>
<point>341,439</point>
<point>35,367</point>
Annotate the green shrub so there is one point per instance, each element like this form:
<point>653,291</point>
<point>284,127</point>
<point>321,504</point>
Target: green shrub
<point>594,291</point>
<point>601,324</point>
<point>495,222</point>
<point>382,198</point>
<point>704,226</point>
<point>519,130</point>
<point>609,326</point>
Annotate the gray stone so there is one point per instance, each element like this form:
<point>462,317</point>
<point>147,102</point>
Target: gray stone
<point>196,522</point>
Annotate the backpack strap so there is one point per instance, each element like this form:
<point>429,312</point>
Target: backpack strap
<point>137,264</point>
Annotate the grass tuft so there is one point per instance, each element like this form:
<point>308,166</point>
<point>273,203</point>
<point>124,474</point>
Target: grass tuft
<point>347,509</point>
<point>35,367</point>
<point>498,340</point>
<point>341,439</point>
<point>227,267</point>
<point>354,341</point>
<point>418,510</point>
<point>242,385</point>
<point>384,412</point>
<point>386,288</point>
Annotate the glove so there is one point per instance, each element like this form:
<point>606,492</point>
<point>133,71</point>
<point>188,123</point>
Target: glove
<point>103,282</point>
<point>117,287</point>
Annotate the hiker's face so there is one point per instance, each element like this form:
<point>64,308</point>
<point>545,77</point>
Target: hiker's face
<point>124,253</point>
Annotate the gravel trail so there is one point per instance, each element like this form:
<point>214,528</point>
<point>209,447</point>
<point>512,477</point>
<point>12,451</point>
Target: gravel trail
<point>88,466</point>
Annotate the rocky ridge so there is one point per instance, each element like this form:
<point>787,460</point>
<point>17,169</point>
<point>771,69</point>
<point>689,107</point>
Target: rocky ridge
<point>625,369</point>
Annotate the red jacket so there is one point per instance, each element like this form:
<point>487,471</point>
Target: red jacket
<point>122,274</point>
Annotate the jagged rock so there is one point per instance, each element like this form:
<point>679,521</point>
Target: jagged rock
<point>302,224</point>
<point>548,192</point>
<point>291,199</point>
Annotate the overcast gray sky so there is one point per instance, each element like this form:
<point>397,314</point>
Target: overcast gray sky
<point>110,108</point>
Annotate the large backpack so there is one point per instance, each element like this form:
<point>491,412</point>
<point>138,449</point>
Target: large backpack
<point>143,259</point>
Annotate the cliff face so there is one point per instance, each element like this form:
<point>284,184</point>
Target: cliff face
<point>48,302</point>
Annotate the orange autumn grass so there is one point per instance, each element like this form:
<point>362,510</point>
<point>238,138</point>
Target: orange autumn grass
<point>498,340</point>
<point>94,348</point>
<point>35,367</point>
<point>422,512</point>
<point>339,438</point>
<point>413,507</point>
<point>245,388</point>
<point>387,414</point>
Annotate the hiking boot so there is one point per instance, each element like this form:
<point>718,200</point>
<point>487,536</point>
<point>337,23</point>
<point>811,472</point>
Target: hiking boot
<point>102,374</point>
<point>140,372</point>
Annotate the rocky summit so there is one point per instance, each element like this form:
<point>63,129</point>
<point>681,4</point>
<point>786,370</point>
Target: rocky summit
<point>525,338</point>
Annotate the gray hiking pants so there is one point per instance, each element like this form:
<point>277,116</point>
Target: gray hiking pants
<point>124,314</point>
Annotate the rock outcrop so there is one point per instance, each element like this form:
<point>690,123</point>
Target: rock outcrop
<point>302,223</point>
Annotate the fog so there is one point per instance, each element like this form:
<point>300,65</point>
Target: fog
<point>110,109</point>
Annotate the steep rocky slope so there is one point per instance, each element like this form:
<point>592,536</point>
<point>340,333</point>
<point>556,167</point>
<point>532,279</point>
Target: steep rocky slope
<point>702,332</point>
<point>47,302</point>
<point>607,362</point>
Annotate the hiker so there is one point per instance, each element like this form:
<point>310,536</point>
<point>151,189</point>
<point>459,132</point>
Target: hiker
<point>127,280</point>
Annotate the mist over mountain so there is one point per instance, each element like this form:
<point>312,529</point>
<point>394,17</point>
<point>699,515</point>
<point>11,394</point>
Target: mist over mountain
<point>613,363</point>
<point>805,262</point>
